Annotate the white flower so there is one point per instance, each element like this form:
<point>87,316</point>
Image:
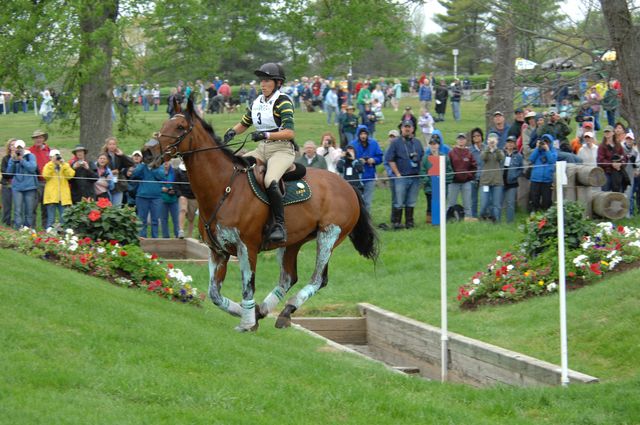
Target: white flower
<point>614,262</point>
<point>579,261</point>
<point>498,258</point>
<point>147,256</point>
<point>501,293</point>
<point>73,247</point>
<point>612,254</point>
<point>634,243</point>
<point>510,267</point>
<point>476,281</point>
<point>552,286</point>
<point>50,230</point>
<point>100,250</point>
<point>471,292</point>
<point>69,232</point>
<point>114,252</point>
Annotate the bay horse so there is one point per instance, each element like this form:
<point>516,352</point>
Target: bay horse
<point>232,218</point>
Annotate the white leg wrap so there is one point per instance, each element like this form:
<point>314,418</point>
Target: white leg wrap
<point>271,301</point>
<point>248,315</point>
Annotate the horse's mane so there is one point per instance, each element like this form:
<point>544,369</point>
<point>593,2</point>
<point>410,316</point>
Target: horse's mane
<point>217,141</point>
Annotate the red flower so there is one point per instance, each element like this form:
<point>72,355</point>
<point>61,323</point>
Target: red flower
<point>103,203</point>
<point>541,223</point>
<point>113,242</point>
<point>123,253</point>
<point>154,256</point>
<point>170,266</point>
<point>83,259</point>
<point>38,240</point>
<point>595,268</point>
<point>571,274</point>
<point>94,215</point>
<point>620,229</point>
<point>87,240</point>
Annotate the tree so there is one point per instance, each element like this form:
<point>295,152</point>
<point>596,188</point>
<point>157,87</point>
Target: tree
<point>625,39</point>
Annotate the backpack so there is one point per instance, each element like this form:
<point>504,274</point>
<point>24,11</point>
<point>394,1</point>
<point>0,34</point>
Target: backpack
<point>455,213</point>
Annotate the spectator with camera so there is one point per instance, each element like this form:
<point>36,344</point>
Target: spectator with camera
<point>404,156</point>
<point>350,168</point>
<point>85,177</point>
<point>118,163</point>
<point>24,185</point>
<point>170,204</point>
<point>543,160</point>
<point>7,196</point>
<point>369,152</point>
<point>57,191</point>
<point>104,184</point>
<point>464,166</point>
<point>40,149</point>
<point>149,196</point>
<point>491,180</point>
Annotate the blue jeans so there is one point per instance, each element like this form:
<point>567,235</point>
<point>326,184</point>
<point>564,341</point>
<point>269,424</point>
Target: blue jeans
<point>465,188</point>
<point>24,203</point>
<point>173,209</point>
<point>392,187</point>
<point>146,206</point>
<point>7,205</point>
<point>474,199</point>
<point>491,202</point>
<point>510,195</point>
<point>406,191</point>
<point>367,195</point>
<point>331,111</point>
<point>611,117</point>
<point>455,108</point>
<point>116,198</point>
<point>51,214</point>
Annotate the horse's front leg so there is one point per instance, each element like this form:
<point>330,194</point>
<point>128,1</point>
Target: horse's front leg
<point>217,273</point>
<point>288,259</point>
<point>247,260</point>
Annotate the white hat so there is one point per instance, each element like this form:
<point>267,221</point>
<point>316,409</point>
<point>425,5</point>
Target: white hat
<point>20,144</point>
<point>588,134</point>
<point>54,152</point>
<point>630,136</point>
<point>136,153</point>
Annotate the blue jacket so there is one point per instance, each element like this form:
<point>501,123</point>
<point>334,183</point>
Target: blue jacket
<point>25,173</point>
<point>424,93</point>
<point>543,163</point>
<point>514,170</point>
<point>406,154</point>
<point>146,188</point>
<point>372,150</point>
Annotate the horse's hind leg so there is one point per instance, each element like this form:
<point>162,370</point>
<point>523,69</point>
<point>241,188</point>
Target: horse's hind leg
<point>288,259</point>
<point>217,273</point>
<point>327,239</point>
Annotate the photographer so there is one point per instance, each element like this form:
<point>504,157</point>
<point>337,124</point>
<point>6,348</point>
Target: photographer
<point>404,157</point>
<point>24,186</point>
<point>85,177</point>
<point>57,191</point>
<point>543,160</point>
<point>351,168</point>
<point>169,202</point>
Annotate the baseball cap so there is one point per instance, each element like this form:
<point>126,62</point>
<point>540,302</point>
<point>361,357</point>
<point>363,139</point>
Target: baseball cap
<point>54,152</point>
<point>461,136</point>
<point>587,124</point>
<point>407,123</point>
<point>530,114</point>
<point>588,134</point>
<point>136,153</point>
<point>511,139</point>
<point>518,111</point>
<point>608,128</point>
<point>393,133</point>
<point>497,113</point>
<point>553,111</point>
<point>20,144</point>
<point>630,136</point>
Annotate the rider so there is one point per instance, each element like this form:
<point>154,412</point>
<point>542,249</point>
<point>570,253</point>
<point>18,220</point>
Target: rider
<point>272,115</point>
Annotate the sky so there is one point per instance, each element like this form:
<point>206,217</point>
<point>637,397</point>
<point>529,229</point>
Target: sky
<point>433,7</point>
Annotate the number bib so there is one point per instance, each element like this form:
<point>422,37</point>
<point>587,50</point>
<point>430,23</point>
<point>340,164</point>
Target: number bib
<point>262,113</point>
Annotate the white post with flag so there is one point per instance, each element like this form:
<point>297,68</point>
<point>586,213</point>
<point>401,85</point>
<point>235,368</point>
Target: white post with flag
<point>444,338</point>
<point>561,179</point>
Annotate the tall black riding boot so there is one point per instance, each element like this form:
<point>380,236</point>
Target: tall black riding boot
<point>278,231</point>
<point>408,218</point>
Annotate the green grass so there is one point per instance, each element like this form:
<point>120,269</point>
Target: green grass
<point>76,350</point>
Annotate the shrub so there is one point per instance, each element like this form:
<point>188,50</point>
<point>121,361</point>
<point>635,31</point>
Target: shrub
<point>101,221</point>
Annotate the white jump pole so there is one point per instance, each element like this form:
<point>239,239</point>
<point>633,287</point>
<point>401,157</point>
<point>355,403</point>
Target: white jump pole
<point>444,338</point>
<point>561,167</point>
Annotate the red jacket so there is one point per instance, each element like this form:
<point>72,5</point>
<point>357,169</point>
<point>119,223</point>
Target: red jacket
<point>42,157</point>
<point>605,153</point>
<point>464,165</point>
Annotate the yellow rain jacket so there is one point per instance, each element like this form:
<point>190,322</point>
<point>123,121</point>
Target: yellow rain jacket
<point>56,188</point>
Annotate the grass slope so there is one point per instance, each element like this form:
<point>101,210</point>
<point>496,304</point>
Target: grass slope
<point>76,350</point>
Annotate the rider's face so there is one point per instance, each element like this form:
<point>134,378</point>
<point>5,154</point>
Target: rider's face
<point>267,87</point>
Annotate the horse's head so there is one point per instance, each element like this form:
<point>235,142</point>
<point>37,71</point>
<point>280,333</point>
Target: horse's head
<point>168,142</point>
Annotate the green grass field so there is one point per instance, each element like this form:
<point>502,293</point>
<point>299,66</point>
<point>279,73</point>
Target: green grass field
<point>76,350</point>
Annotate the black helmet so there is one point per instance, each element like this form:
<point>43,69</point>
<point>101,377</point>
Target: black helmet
<point>270,70</point>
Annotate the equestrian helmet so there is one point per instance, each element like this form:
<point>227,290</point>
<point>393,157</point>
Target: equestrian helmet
<point>270,70</point>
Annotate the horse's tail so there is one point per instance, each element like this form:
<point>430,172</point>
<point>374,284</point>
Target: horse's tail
<point>364,236</point>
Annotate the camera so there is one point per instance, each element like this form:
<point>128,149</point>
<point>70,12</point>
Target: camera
<point>58,158</point>
<point>412,155</point>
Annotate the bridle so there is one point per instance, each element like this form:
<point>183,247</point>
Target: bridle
<point>173,152</point>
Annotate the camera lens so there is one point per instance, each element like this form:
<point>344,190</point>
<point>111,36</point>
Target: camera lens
<point>58,157</point>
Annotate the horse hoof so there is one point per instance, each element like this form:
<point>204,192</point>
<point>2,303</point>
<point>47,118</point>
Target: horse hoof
<point>243,329</point>
<point>283,322</point>
<point>259,314</point>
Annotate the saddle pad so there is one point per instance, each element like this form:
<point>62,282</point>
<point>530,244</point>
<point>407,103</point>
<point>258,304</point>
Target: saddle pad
<point>295,191</point>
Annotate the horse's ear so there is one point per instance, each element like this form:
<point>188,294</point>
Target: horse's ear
<point>190,104</point>
<point>177,107</point>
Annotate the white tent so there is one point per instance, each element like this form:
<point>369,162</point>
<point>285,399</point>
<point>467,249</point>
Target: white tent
<point>524,64</point>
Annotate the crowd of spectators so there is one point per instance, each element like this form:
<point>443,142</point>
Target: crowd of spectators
<point>39,177</point>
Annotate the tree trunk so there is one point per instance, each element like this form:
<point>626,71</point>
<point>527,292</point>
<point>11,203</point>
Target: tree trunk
<point>625,40</point>
<point>501,94</point>
<point>97,23</point>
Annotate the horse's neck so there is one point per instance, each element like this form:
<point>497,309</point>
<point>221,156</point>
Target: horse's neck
<point>209,174</point>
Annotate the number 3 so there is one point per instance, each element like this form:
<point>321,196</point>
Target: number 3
<point>259,114</point>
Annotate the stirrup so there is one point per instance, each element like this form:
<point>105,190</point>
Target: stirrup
<point>278,233</point>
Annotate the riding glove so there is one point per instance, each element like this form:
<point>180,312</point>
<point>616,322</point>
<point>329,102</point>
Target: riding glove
<point>230,134</point>
<point>257,136</point>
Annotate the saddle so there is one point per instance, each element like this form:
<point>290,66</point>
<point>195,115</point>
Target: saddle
<point>293,187</point>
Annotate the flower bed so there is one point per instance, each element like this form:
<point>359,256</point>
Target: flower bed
<point>125,265</point>
<point>520,274</point>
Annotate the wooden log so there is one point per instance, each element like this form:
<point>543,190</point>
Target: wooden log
<point>590,175</point>
<point>584,195</point>
<point>345,330</point>
<point>611,205</point>
<point>569,190</point>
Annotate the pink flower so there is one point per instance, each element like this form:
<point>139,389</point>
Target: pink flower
<point>103,203</point>
<point>95,215</point>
